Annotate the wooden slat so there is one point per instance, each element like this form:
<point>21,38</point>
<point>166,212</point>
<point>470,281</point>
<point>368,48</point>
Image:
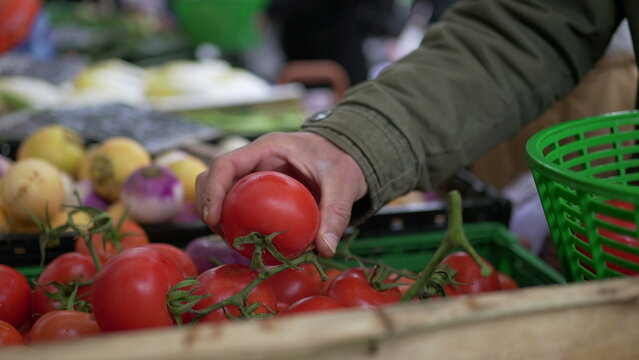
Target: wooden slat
<point>595,320</point>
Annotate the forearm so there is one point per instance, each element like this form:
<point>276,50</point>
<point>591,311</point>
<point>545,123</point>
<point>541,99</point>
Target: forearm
<point>488,68</point>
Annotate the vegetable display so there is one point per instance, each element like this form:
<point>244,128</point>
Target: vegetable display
<point>56,167</point>
<point>118,281</point>
<point>263,264</point>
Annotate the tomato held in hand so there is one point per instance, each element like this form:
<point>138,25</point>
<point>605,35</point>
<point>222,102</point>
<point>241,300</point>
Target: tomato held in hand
<point>469,275</point>
<point>132,235</point>
<point>178,255</point>
<point>270,202</point>
<point>15,296</point>
<point>314,304</point>
<point>291,285</point>
<point>62,325</point>
<point>9,335</point>
<point>64,269</point>
<point>130,291</point>
<point>352,289</point>
<point>226,280</point>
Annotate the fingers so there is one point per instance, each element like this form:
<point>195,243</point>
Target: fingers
<point>324,168</point>
<point>335,215</point>
<point>213,184</point>
<point>342,184</point>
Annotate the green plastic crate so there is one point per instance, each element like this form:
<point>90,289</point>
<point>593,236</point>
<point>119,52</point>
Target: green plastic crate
<point>30,272</point>
<point>229,24</point>
<point>492,240</point>
<point>586,172</point>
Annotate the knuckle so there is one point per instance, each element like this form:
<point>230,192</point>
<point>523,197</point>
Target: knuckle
<point>340,212</point>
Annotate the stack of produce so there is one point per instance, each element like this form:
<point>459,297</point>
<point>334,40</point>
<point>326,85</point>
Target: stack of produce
<point>55,169</point>
<point>117,81</point>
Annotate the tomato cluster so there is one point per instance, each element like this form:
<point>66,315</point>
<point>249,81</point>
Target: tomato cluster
<point>121,282</point>
<point>71,298</point>
<point>468,277</point>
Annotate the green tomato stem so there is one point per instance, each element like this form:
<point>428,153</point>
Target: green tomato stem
<point>455,237</point>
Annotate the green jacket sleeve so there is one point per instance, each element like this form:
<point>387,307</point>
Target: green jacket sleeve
<point>478,76</point>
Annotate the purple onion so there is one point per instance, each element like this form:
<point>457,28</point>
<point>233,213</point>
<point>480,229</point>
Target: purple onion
<point>88,196</point>
<point>206,250</point>
<point>5,164</point>
<point>152,195</point>
<point>187,214</point>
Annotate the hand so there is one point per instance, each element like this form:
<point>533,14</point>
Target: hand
<point>331,174</point>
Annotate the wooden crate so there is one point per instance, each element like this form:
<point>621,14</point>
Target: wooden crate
<point>593,320</point>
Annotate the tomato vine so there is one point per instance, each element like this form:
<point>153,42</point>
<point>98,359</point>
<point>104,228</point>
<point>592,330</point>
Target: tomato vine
<point>181,299</point>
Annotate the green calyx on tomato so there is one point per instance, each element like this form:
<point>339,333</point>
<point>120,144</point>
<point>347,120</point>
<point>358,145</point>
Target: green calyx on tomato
<point>67,295</point>
<point>260,244</point>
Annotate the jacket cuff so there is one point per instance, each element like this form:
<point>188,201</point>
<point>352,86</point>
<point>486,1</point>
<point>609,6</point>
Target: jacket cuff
<point>381,150</point>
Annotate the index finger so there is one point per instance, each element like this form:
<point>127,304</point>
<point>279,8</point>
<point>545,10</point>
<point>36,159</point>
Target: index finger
<point>213,184</point>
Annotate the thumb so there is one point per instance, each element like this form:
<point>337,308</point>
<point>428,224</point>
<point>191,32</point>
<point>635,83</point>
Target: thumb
<point>335,214</point>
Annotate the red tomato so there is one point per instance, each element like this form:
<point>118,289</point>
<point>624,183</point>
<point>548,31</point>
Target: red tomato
<point>180,257</point>
<point>227,280</point>
<point>268,202</point>
<point>352,289</point>
<point>15,296</point>
<point>130,290</point>
<point>314,303</point>
<point>332,274</point>
<point>133,235</point>
<point>506,282</point>
<point>291,285</point>
<point>281,307</point>
<point>618,237</point>
<point>9,335</point>
<point>64,269</point>
<point>61,325</point>
<point>469,275</point>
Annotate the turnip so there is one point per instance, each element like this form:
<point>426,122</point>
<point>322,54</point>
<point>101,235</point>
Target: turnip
<point>113,162</point>
<point>187,169</point>
<point>32,186</point>
<point>153,195</point>
<point>61,146</point>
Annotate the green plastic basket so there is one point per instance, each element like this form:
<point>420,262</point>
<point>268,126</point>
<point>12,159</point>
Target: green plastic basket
<point>492,240</point>
<point>586,172</point>
<point>231,25</point>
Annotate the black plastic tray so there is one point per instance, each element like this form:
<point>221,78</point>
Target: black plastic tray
<point>24,249</point>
